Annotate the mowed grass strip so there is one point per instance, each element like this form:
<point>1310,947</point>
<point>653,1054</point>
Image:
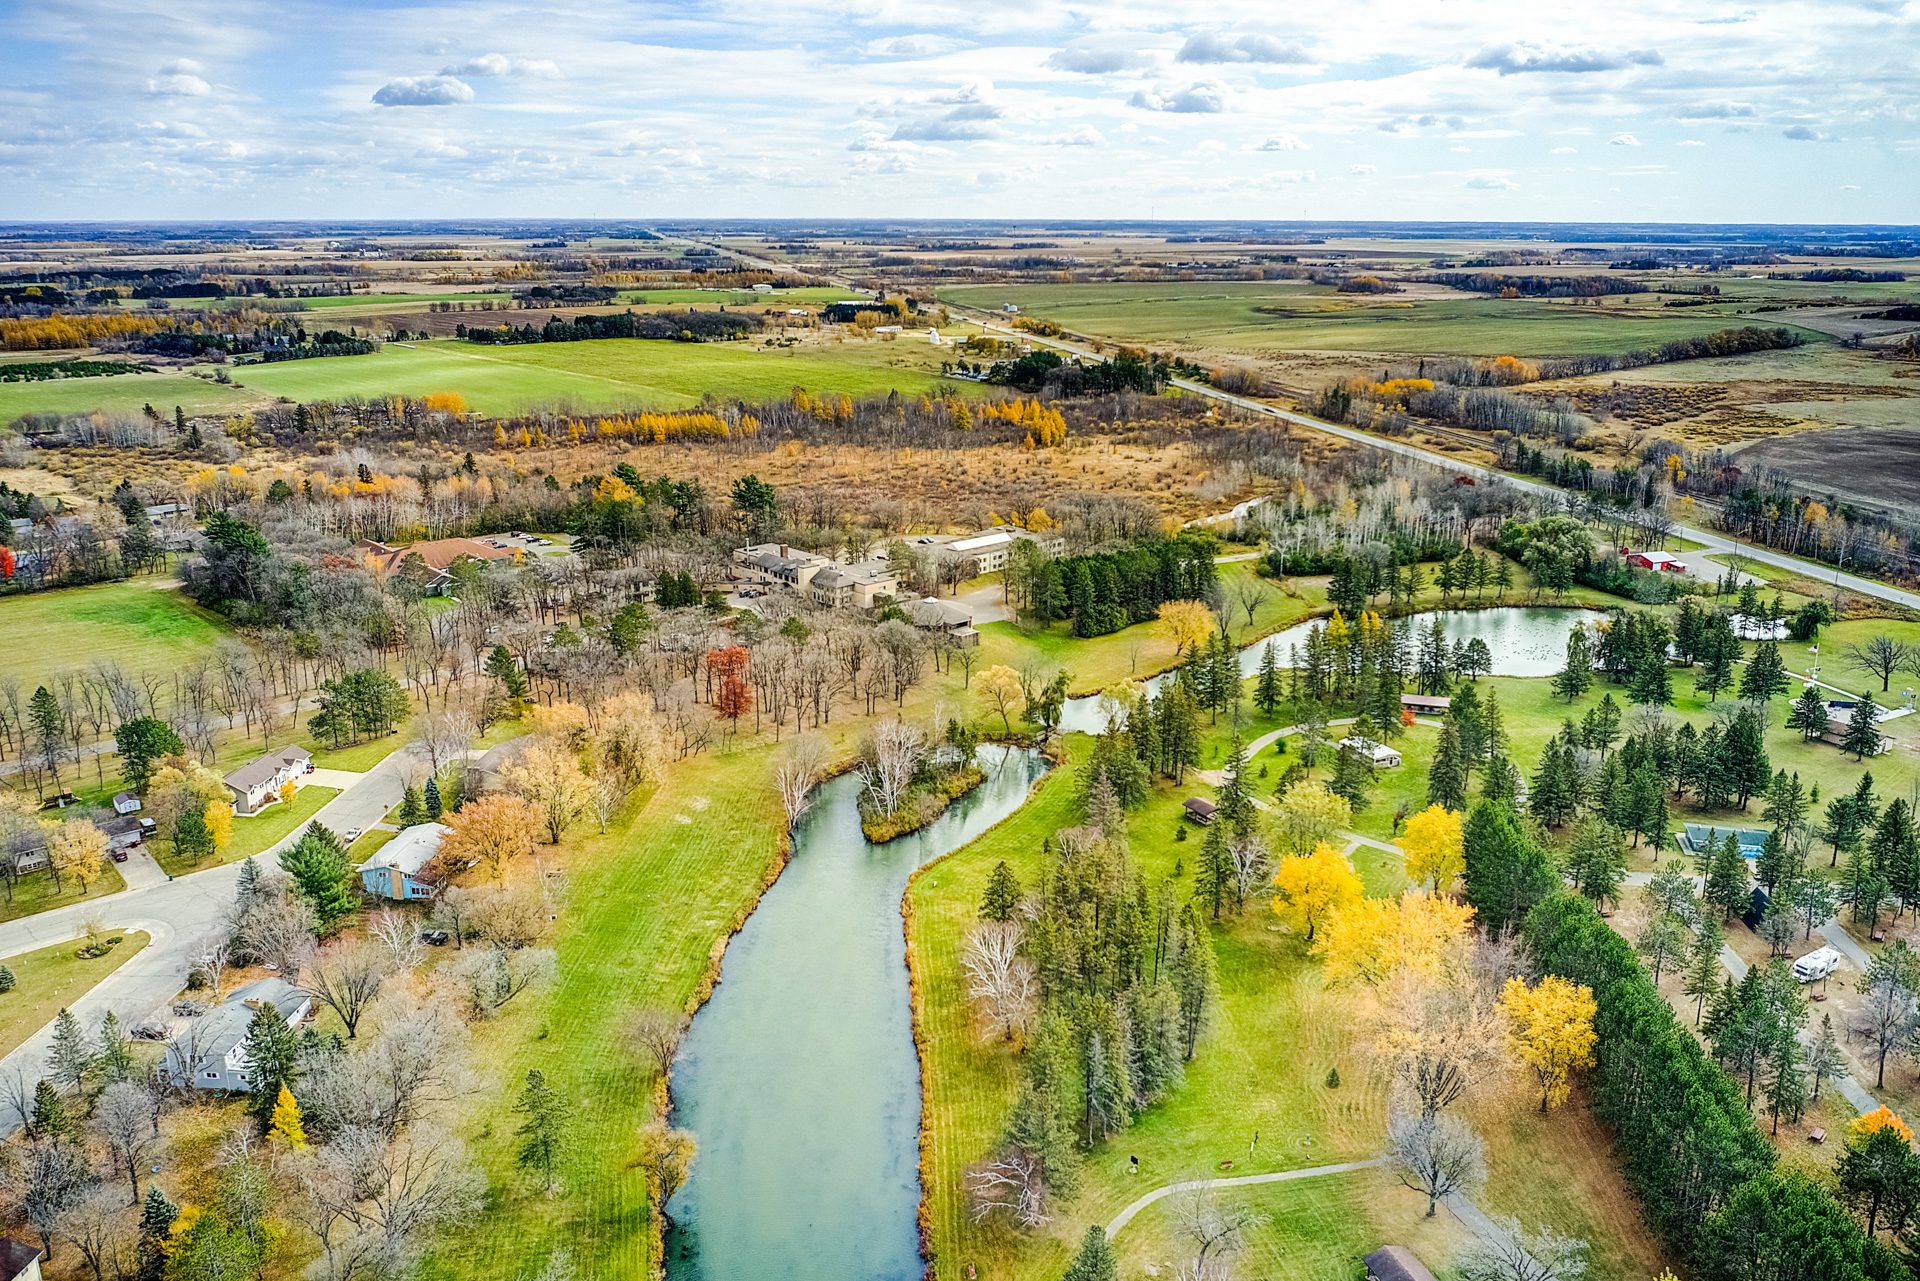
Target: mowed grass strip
<point>606,373</point>
<point>50,979</point>
<point>144,624</point>
<point>644,907</point>
<point>122,393</point>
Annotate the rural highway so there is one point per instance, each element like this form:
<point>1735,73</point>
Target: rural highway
<point>1714,544</point>
<point>177,914</point>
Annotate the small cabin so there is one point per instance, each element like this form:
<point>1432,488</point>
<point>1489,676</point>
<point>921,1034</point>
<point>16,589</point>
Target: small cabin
<point>1435,704</point>
<point>1200,811</point>
<point>1378,754</point>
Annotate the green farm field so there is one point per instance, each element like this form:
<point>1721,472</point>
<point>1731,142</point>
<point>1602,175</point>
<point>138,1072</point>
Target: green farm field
<point>144,624</point>
<point>1311,318</point>
<point>603,374</point>
<point>122,393</point>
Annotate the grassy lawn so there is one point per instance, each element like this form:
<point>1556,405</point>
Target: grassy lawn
<point>35,892</point>
<point>254,834</point>
<point>142,624</point>
<point>1262,1067</point>
<point>604,374</point>
<point>694,853</point>
<point>49,980</point>
<point>357,758</point>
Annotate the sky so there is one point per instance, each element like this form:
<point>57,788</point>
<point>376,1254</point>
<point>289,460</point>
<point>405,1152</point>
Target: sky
<point>1718,111</point>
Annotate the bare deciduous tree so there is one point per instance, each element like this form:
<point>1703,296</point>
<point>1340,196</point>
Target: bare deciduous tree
<point>371,1200</point>
<point>104,1233</point>
<point>122,1118</point>
<point>346,978</point>
<point>395,932</point>
<point>1882,656</point>
<point>800,767</point>
<point>1512,1253</point>
<point>893,754</point>
<point>1012,1183</point>
<point>655,1033</point>
<point>1438,1155</point>
<point>1001,982</point>
<point>1218,1231</point>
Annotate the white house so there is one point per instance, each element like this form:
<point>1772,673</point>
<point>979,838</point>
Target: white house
<point>398,869</point>
<point>18,1260</point>
<point>990,547</point>
<point>1382,756</point>
<point>211,1053</point>
<point>126,803</point>
<point>257,783</point>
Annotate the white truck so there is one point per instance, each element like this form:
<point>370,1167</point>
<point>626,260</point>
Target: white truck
<point>1816,965</point>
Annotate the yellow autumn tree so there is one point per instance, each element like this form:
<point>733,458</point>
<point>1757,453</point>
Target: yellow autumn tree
<point>1417,934</point>
<point>1000,687</point>
<point>287,1128</point>
<point>288,790</point>
<point>78,852</point>
<point>1187,623</point>
<point>1550,1026</point>
<point>490,834</point>
<point>1311,888</point>
<point>1868,1124</point>
<point>1435,847</point>
<point>219,816</point>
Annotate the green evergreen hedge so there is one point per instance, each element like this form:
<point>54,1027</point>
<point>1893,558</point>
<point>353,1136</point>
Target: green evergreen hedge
<point>1702,1168</point>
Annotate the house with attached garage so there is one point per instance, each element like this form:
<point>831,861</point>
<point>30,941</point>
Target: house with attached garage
<point>257,784</point>
<point>403,869</point>
<point>211,1053</point>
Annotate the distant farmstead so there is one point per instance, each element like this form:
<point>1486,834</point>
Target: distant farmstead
<point>1378,754</point>
<point>1660,562</point>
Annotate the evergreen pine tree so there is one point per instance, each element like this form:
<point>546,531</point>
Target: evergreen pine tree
<point>1002,894</point>
<point>1766,674</point>
<point>248,881</point>
<point>1197,978</point>
<point>1576,678</point>
<point>413,809</point>
<point>323,876</point>
<point>1266,690</point>
<point>1493,726</point>
<point>1809,713</point>
<point>1447,778</point>
<point>70,1055</point>
<point>432,799</point>
<point>269,1054</point>
<point>114,1055</point>
<point>1703,967</point>
<point>1825,1060</point>
<point>1236,801</point>
<point>7,980</point>
<point>1727,884</point>
<point>1095,1262</point>
<point>1214,878</point>
<point>543,1133</point>
<point>1863,733</point>
<point>50,1117</point>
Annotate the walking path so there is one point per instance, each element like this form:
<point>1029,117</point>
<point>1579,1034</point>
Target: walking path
<point>1471,1216</point>
<point>177,913</point>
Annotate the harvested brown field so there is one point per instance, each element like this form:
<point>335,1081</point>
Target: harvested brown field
<point>1877,466</point>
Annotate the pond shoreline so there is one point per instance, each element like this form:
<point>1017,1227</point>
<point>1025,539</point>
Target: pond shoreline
<point>929,804</point>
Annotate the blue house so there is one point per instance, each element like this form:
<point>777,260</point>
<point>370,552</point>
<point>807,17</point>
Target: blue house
<point>403,869</point>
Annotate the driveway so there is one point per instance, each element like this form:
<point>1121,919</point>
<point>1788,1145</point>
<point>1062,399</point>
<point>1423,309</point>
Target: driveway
<point>177,913</point>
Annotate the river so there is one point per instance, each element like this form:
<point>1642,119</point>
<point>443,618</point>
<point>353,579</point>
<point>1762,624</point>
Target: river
<point>1525,640</point>
<point>799,1077</point>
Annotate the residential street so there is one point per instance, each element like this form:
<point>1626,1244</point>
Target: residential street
<point>177,913</point>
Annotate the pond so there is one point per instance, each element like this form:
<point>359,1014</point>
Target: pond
<point>1525,640</point>
<point>799,1078</point>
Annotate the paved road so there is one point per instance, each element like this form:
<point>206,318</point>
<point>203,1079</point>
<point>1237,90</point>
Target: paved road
<point>178,913</point>
<point>1713,543</point>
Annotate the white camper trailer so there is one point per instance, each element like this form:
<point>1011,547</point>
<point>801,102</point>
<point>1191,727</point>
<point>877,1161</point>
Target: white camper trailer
<point>1816,965</point>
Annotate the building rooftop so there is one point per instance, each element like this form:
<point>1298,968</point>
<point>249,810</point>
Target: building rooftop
<point>225,1026</point>
<point>262,768</point>
<point>437,553</point>
<point>410,851</point>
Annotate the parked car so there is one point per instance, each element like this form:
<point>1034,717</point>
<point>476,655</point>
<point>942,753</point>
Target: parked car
<point>434,938</point>
<point>117,854</point>
<point>151,1030</point>
<point>349,836</point>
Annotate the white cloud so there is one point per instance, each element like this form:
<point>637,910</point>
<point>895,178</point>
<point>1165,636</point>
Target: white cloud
<point>1491,182</point>
<point>498,64</point>
<point>179,85</point>
<point>1204,97</point>
<point>1513,59</point>
<point>1623,140</point>
<point>1079,136</point>
<point>1689,142</point>
<point>1225,46</point>
<point>1100,57</point>
<point>1564,151</point>
<point>1364,171</point>
<point>918,45</point>
<point>423,91</point>
<point>1801,133</point>
<point>1284,142</point>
